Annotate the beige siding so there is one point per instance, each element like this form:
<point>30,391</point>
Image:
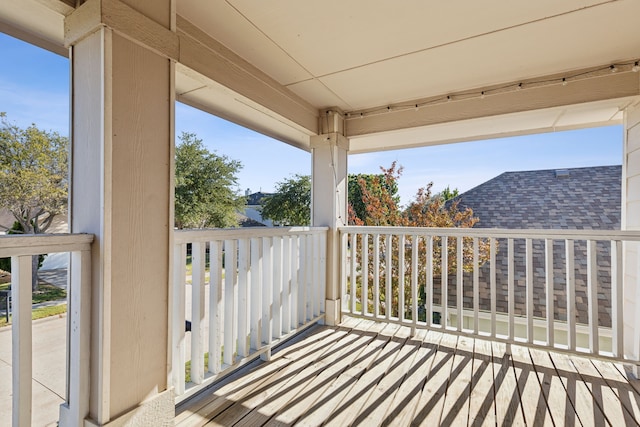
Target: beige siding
<point>631,221</point>
<point>122,123</point>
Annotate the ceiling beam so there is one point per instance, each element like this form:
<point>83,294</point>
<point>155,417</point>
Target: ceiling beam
<point>194,49</point>
<point>123,19</point>
<point>504,101</point>
<point>210,58</point>
<point>63,7</point>
<point>205,94</point>
<point>32,38</point>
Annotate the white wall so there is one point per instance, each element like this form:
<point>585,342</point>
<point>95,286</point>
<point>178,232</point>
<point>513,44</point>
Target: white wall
<point>255,213</point>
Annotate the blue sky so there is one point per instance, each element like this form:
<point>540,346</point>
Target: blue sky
<point>34,88</point>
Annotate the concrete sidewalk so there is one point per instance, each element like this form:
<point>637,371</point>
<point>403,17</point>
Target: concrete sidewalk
<point>57,277</point>
<point>58,274</point>
<point>49,365</point>
<point>49,336</point>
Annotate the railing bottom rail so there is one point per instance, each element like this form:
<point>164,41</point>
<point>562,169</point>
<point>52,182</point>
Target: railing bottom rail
<point>561,290</point>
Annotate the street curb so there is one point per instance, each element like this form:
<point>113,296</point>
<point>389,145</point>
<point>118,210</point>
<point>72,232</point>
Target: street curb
<point>42,304</point>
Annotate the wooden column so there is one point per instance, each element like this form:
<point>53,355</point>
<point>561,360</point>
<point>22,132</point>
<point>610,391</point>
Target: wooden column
<point>329,199</point>
<point>121,190</point>
<point>631,221</point>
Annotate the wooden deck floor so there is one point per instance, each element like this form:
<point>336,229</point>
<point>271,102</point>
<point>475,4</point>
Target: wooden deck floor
<point>367,373</point>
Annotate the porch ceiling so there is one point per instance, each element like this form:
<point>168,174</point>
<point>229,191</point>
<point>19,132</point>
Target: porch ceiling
<point>358,54</point>
<point>363,56</point>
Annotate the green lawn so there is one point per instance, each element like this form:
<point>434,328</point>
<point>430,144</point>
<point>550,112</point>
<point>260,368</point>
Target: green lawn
<point>189,269</point>
<point>40,313</point>
<point>45,292</point>
<point>189,266</point>
<point>187,367</point>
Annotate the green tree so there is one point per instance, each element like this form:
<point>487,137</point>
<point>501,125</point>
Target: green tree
<point>291,203</point>
<point>373,183</point>
<point>448,193</point>
<point>206,193</point>
<point>33,178</point>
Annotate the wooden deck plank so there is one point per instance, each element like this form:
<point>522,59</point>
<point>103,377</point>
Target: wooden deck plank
<point>628,396</point>
<point>203,407</point>
<point>431,402</point>
<point>455,410</point>
<point>346,381</point>
<point>508,408</point>
<point>261,414</point>
<point>561,404</point>
<point>400,412</point>
<point>606,398</point>
<point>310,337</point>
<point>293,404</point>
<point>587,410</point>
<point>301,358</point>
<point>534,404</point>
<point>482,411</point>
<point>369,373</point>
<point>352,404</point>
<point>383,394</point>
<point>258,410</point>
<point>626,371</point>
<point>221,399</point>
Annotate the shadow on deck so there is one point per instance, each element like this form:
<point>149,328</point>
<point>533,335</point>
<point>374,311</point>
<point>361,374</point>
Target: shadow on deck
<point>364,372</point>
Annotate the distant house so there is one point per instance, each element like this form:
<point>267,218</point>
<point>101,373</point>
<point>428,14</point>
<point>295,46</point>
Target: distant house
<point>6,220</point>
<point>59,225</point>
<point>253,210</point>
<point>586,198</point>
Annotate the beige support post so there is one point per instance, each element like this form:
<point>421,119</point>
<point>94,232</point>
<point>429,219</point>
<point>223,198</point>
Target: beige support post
<point>631,221</point>
<point>122,110</point>
<point>329,199</point>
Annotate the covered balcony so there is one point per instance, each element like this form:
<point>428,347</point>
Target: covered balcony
<point>333,324</point>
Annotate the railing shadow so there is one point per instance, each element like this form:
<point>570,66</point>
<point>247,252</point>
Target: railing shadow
<point>515,379</point>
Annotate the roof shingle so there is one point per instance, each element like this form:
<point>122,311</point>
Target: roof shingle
<point>588,198</point>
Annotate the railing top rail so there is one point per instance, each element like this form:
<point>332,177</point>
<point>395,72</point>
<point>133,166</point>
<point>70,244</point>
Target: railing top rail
<point>547,233</point>
<point>204,235</point>
<point>35,244</point>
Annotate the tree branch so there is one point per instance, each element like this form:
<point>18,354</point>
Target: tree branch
<point>46,223</point>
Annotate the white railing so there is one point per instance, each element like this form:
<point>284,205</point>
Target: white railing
<point>21,249</point>
<point>263,285</point>
<point>557,289</point>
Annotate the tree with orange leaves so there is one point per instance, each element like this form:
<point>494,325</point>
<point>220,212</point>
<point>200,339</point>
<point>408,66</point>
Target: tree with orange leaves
<point>425,210</point>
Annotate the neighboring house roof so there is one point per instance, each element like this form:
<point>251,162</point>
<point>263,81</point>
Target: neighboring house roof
<point>59,224</point>
<point>257,198</point>
<point>253,210</point>
<point>245,221</point>
<point>575,199</point>
<point>578,198</point>
<point>6,219</point>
